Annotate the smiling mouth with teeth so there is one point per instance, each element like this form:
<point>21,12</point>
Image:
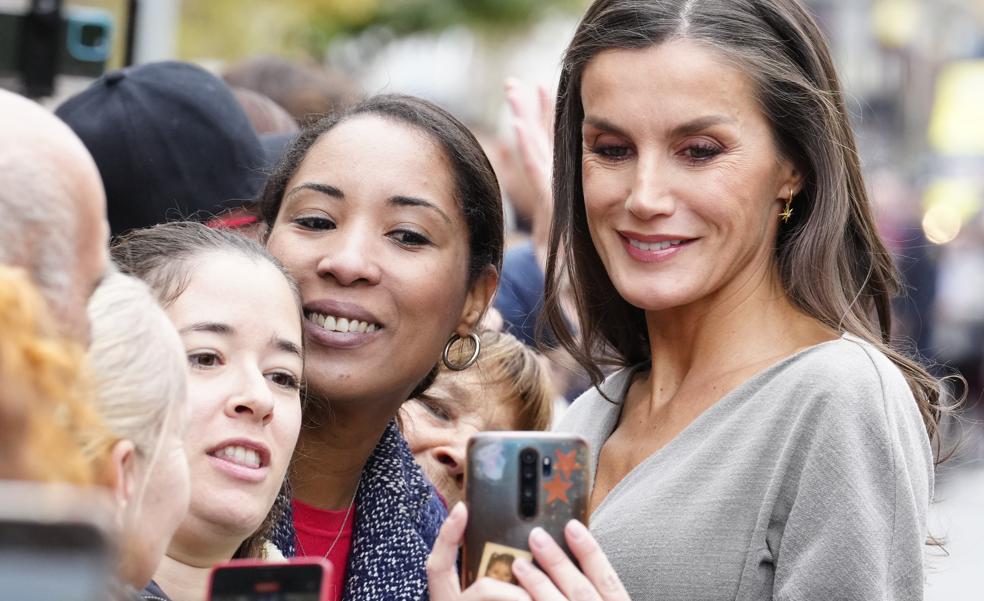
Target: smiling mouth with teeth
<point>646,246</point>
<point>343,325</point>
<point>239,455</point>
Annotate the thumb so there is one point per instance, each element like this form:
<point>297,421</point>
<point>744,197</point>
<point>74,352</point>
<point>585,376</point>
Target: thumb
<point>442,575</point>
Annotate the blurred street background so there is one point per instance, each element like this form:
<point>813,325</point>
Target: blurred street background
<point>913,71</point>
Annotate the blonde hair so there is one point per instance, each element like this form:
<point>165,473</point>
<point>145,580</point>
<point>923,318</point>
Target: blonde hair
<point>45,392</point>
<point>506,361</point>
<point>138,365</point>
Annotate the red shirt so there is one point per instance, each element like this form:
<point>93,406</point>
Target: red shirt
<point>316,531</point>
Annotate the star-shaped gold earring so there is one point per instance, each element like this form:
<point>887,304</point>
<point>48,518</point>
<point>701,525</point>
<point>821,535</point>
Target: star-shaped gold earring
<point>787,211</point>
<point>786,214</point>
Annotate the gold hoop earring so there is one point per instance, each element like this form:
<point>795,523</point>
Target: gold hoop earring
<point>787,211</point>
<point>471,360</point>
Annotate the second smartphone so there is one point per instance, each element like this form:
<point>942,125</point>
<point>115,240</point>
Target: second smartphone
<point>514,482</point>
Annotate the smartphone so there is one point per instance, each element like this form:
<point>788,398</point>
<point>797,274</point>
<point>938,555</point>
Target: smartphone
<point>54,543</point>
<point>298,579</point>
<point>514,482</point>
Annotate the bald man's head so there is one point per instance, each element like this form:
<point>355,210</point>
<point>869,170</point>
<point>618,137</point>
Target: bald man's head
<point>52,209</point>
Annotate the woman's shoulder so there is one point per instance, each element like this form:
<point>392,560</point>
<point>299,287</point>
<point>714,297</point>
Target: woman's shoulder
<point>848,386</point>
<point>848,367</point>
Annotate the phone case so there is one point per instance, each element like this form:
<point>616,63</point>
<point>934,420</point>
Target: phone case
<point>253,579</point>
<point>499,507</point>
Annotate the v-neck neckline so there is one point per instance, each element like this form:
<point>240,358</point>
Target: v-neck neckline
<point>618,400</point>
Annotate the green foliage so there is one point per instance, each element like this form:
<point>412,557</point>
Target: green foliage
<point>411,16</point>
<point>231,29</point>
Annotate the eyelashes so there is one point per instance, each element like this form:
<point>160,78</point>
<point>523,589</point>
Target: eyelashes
<point>411,238</point>
<point>405,237</point>
<point>204,360</point>
<point>701,152</point>
<point>285,380</point>
<point>207,360</point>
<point>315,223</point>
<point>695,153</point>
<point>611,152</point>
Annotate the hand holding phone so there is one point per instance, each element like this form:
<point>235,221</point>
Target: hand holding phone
<point>515,482</point>
<point>299,579</point>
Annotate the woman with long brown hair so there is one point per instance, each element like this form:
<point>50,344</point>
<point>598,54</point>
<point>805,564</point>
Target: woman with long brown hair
<point>761,440</point>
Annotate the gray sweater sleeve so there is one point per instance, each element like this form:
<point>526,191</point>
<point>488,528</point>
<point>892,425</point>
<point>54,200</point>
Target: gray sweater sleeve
<point>855,496</point>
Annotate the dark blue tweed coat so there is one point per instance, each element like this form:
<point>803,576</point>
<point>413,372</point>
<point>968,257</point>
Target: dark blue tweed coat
<point>398,515</point>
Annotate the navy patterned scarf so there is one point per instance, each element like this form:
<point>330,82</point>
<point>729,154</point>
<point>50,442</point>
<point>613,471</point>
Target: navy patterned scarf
<point>398,515</point>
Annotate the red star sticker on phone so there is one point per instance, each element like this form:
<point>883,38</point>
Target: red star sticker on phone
<point>567,462</point>
<point>557,490</point>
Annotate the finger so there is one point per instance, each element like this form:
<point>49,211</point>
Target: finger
<point>442,575</point>
<point>536,583</point>
<point>533,161</point>
<point>537,170</point>
<point>594,562</point>
<point>488,589</point>
<point>514,96</point>
<point>572,583</point>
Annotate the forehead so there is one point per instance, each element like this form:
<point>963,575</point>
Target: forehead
<point>668,83</point>
<point>478,393</point>
<point>380,156</point>
<point>225,287</point>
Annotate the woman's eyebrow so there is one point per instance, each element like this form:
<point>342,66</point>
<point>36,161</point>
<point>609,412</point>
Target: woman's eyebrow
<point>604,125</point>
<point>213,327</point>
<point>325,189</point>
<point>282,344</point>
<point>412,201</point>
<point>701,123</point>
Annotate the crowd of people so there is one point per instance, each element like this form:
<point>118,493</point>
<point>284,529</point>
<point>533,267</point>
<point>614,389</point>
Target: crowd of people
<point>261,315</point>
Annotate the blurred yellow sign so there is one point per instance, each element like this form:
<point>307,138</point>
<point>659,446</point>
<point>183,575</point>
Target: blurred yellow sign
<point>956,126</point>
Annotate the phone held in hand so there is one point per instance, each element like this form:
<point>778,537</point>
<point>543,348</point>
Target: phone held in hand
<point>299,579</point>
<point>514,482</point>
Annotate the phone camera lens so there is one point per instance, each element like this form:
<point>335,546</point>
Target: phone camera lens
<point>528,456</point>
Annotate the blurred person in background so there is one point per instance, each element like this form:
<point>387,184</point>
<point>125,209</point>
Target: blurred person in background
<point>306,91</point>
<point>138,366</point>
<point>46,410</point>
<point>53,208</point>
<point>276,128</point>
<point>265,115</point>
<point>389,216</point>
<point>762,440</point>
<point>507,388</point>
<point>171,142</point>
<point>239,318</point>
<point>898,216</point>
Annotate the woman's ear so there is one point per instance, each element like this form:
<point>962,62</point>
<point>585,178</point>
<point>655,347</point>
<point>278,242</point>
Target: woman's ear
<point>790,178</point>
<point>122,472</point>
<point>478,300</point>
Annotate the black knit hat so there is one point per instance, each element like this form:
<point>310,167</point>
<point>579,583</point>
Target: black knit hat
<point>170,141</point>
